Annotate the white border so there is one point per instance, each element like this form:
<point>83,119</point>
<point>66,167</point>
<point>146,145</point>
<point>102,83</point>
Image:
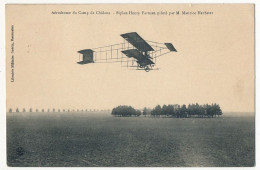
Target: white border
<point>2,63</point>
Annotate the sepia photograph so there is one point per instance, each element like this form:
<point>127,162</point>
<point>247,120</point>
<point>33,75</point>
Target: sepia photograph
<point>130,85</point>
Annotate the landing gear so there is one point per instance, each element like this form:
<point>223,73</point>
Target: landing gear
<point>147,68</point>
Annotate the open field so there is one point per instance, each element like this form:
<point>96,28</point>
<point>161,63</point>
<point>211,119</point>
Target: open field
<point>67,139</point>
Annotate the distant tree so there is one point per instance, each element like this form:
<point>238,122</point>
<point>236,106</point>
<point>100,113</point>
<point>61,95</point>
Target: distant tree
<point>157,111</point>
<point>170,110</point>
<point>10,110</point>
<point>197,110</point>
<point>190,110</point>
<point>183,111</point>
<point>207,109</point>
<point>42,110</point>
<point>164,110</point>
<point>30,110</point>
<point>36,110</point>
<point>210,111</point>
<point>218,110</point>
<point>138,113</point>
<point>177,110</point>
<point>63,110</point>
<point>17,110</point>
<point>24,110</point>
<point>58,110</point>
<point>145,111</point>
<point>53,110</point>
<point>201,111</point>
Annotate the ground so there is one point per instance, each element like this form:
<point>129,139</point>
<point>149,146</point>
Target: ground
<point>80,139</point>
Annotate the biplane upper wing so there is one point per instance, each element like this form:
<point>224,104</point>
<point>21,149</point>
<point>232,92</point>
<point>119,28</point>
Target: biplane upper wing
<point>137,41</point>
<point>141,59</point>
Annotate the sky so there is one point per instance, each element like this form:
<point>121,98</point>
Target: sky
<point>214,62</point>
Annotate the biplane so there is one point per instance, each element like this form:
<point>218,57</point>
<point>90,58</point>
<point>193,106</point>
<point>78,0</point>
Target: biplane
<point>133,52</point>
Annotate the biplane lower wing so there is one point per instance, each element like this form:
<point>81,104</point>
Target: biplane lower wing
<point>141,59</point>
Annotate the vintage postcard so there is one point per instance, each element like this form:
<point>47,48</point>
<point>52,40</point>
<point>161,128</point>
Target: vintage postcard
<point>130,85</point>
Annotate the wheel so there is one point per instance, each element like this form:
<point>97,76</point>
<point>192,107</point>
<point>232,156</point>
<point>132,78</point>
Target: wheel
<point>147,69</point>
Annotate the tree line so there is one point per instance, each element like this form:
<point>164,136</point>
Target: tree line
<point>17,110</point>
<point>177,111</point>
